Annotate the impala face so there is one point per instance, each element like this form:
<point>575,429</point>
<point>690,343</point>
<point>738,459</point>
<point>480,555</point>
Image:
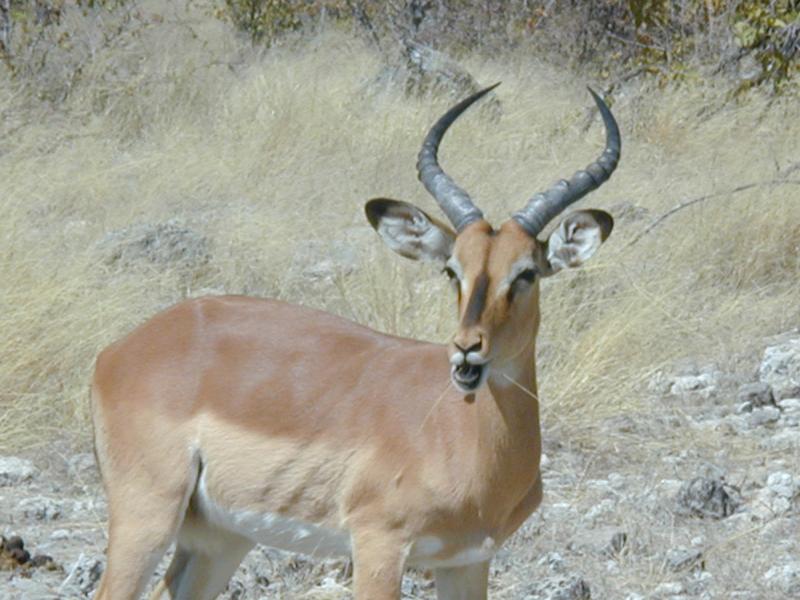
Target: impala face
<point>495,275</point>
<point>495,272</point>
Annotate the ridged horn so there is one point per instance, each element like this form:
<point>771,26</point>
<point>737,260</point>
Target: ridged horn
<point>454,201</point>
<point>544,206</point>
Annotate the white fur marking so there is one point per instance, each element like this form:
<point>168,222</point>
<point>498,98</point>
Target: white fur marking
<point>425,549</point>
<point>273,529</point>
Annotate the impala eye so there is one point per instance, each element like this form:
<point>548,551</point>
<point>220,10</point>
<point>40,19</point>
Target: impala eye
<point>527,275</point>
<point>525,278</point>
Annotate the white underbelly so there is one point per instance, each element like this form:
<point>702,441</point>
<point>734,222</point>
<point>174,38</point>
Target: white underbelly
<point>295,535</point>
<point>273,529</point>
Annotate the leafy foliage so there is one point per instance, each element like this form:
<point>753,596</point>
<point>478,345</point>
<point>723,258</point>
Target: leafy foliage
<point>771,31</point>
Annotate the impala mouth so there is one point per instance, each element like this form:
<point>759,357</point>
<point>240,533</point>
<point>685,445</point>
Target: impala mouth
<point>468,377</point>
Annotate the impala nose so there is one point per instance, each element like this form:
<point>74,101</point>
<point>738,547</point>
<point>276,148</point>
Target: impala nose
<point>468,361</point>
<point>469,347</point>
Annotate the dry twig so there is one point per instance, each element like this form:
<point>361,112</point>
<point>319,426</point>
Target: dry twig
<point>694,201</point>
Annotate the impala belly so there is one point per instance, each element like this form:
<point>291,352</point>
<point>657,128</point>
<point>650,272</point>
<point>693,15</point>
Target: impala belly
<point>314,539</point>
<point>269,528</point>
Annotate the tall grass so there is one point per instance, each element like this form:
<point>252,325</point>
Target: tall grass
<point>271,157</point>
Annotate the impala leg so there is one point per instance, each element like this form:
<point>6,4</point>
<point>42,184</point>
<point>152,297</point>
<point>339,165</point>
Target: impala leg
<point>145,514</point>
<point>168,585</point>
<point>137,540</point>
<point>197,575</point>
<point>378,562</point>
<point>463,583</point>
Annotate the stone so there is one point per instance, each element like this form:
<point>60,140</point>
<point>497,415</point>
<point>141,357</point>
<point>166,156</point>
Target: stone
<point>553,561</point>
<point>601,509</point>
<point>703,384</point>
<point>775,498</point>
<point>764,415</point>
<point>680,559</point>
<point>783,484</point>
<point>561,588</point>
<point>14,471</point>
<point>59,534</point>
<point>708,497</point>
<point>669,588</point>
<point>790,405</point>
<point>780,368</point>
<point>757,394</point>
<point>84,573</point>
<point>785,578</point>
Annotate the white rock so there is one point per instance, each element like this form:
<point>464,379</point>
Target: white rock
<point>59,534</point>
<point>669,587</point>
<point>84,573</point>
<point>553,561</point>
<point>764,416</point>
<point>785,577</point>
<point>783,484</point>
<point>703,385</point>
<point>790,405</point>
<point>14,471</point>
<point>780,368</point>
<point>767,505</point>
<point>601,509</point>
<point>790,420</point>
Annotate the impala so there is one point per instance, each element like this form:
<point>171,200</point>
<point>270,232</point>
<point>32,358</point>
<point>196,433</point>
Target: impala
<point>223,422</point>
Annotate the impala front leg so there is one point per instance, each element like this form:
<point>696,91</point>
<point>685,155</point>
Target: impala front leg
<point>379,559</point>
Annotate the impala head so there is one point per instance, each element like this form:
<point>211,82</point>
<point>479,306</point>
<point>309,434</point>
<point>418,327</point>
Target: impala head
<point>495,272</point>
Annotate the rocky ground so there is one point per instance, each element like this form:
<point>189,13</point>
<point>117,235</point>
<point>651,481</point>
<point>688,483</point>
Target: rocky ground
<point>695,497</point>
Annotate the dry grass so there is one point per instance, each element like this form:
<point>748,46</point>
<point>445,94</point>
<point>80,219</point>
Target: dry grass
<point>261,154</point>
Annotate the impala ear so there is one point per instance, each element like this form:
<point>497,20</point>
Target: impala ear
<point>577,238</point>
<point>409,231</point>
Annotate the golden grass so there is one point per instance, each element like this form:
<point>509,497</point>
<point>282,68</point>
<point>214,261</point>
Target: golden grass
<point>262,153</point>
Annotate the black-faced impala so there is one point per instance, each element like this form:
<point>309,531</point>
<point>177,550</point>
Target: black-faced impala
<point>224,422</point>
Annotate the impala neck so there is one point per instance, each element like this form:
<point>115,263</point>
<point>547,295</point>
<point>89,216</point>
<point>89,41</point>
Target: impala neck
<point>509,438</point>
<point>518,374</point>
<point>513,417</point>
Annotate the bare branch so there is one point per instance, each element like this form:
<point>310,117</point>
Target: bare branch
<point>693,201</point>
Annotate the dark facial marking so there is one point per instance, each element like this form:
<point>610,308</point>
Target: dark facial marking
<point>477,301</point>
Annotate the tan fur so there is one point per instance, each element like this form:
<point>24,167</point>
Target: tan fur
<point>298,413</point>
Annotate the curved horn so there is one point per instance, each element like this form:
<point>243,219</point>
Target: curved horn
<point>541,209</point>
<point>454,202</point>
